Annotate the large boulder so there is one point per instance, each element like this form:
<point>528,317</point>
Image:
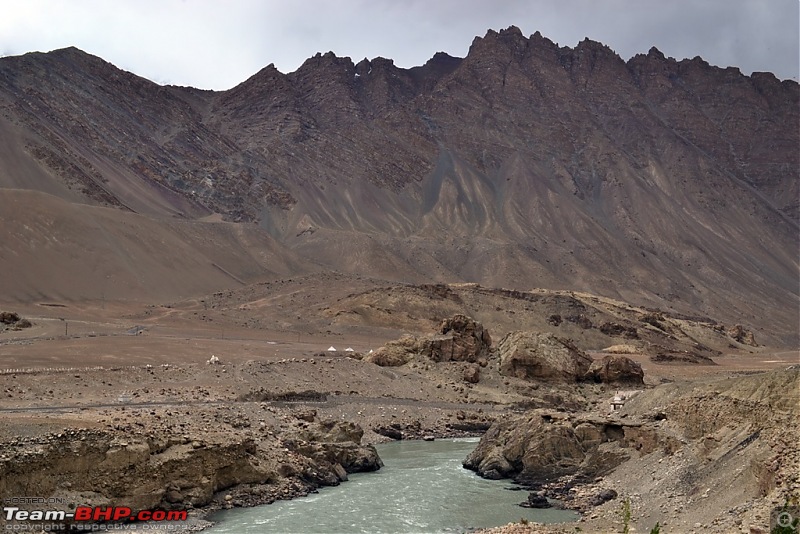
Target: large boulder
<point>616,369</point>
<point>536,500</point>
<point>9,317</point>
<point>533,356</point>
<point>332,431</point>
<point>394,353</point>
<point>537,448</point>
<point>331,443</point>
<point>459,339</point>
<point>472,374</point>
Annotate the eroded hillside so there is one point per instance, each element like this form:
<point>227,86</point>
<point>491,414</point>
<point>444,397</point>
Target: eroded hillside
<point>524,164</point>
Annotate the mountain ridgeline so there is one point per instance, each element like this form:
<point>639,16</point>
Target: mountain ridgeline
<point>525,164</point>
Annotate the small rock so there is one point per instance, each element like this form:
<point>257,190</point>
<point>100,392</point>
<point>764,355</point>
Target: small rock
<point>472,374</point>
<point>536,500</point>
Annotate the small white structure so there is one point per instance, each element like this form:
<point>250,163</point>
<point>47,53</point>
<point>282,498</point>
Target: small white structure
<point>617,402</point>
<point>349,349</point>
<point>331,349</point>
<point>213,360</point>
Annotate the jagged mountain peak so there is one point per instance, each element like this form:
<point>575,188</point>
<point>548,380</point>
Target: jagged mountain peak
<point>440,62</point>
<point>325,61</point>
<point>595,47</point>
<point>441,57</point>
<point>539,40</point>
<point>365,66</point>
<point>257,91</point>
<point>510,38</point>
<point>655,53</point>
<point>270,72</point>
<point>510,33</point>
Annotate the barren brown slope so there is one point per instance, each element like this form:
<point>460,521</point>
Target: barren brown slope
<point>349,306</point>
<point>55,250</point>
<point>522,165</point>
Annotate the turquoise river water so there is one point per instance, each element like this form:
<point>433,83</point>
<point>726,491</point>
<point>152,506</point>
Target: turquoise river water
<point>422,488</point>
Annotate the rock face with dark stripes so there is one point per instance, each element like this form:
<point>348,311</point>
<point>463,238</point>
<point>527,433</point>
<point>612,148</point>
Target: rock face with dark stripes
<point>524,164</point>
<point>616,369</point>
<point>537,356</point>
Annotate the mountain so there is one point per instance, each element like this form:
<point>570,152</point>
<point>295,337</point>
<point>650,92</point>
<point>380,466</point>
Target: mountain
<point>524,164</point>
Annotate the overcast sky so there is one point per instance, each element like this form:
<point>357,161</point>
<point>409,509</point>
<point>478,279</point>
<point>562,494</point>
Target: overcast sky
<point>216,44</point>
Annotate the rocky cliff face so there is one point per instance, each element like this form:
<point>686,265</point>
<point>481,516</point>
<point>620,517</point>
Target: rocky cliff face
<point>141,471</point>
<point>458,339</point>
<point>522,164</point>
<point>534,356</point>
<point>541,446</point>
<point>675,447</point>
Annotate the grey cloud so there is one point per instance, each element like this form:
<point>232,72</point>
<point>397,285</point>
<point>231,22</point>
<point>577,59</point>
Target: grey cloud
<point>213,44</point>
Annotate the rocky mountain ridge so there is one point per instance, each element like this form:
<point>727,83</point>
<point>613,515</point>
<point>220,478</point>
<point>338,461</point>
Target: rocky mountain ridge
<point>524,164</point>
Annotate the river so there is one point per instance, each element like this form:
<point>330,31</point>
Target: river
<point>421,488</point>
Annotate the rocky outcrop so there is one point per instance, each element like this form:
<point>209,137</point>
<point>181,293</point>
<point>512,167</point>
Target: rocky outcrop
<point>541,446</point>
<point>331,458</point>
<point>177,472</point>
<point>13,321</point>
<point>332,431</point>
<point>333,446</point>
<point>615,369</point>
<point>8,317</point>
<point>691,439</point>
<point>394,353</point>
<point>616,330</point>
<point>459,339</point>
<point>170,472</point>
<point>533,356</point>
<point>536,500</point>
<point>742,335</point>
<point>393,431</point>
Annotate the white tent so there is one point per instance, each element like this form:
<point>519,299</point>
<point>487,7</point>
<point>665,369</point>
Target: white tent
<point>349,349</point>
<point>331,349</point>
